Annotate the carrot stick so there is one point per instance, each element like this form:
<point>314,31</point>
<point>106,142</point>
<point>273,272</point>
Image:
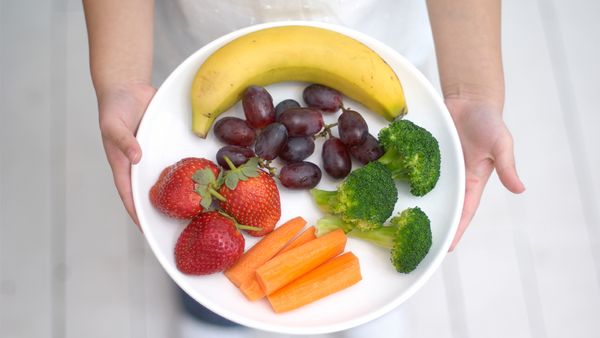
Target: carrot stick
<point>292,264</point>
<point>251,289</point>
<point>244,269</point>
<point>306,236</point>
<point>333,276</point>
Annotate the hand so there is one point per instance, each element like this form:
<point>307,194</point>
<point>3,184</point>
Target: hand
<point>120,112</point>
<point>487,145</point>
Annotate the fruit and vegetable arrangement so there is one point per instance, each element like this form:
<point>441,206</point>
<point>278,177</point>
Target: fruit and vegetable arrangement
<point>294,264</point>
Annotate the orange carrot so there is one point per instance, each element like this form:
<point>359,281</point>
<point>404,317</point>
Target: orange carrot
<point>306,236</point>
<point>333,276</point>
<point>244,269</point>
<point>251,289</point>
<point>292,264</point>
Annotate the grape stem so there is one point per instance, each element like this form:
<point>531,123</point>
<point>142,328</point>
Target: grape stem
<point>326,132</point>
<point>267,165</point>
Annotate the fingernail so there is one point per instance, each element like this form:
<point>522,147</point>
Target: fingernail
<point>522,187</point>
<point>521,182</point>
<point>132,155</point>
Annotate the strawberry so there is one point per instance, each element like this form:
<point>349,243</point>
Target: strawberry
<point>154,189</point>
<point>175,192</point>
<point>210,243</point>
<point>251,197</point>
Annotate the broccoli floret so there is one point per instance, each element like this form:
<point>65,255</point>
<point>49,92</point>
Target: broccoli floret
<point>408,237</point>
<point>365,199</point>
<point>412,154</point>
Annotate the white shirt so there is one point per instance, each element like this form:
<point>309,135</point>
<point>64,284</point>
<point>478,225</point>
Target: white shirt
<point>183,26</point>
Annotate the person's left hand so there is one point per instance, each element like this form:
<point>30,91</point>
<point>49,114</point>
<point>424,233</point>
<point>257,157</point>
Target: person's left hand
<point>487,145</point>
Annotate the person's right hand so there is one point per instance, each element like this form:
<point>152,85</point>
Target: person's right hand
<point>120,110</point>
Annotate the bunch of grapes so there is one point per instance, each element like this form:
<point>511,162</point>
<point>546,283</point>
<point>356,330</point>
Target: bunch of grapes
<point>288,131</point>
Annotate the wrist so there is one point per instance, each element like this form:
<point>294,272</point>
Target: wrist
<point>124,97</point>
<point>463,97</point>
<point>474,92</point>
<point>133,88</point>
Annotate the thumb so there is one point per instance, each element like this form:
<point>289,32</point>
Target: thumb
<point>122,137</point>
<point>504,162</point>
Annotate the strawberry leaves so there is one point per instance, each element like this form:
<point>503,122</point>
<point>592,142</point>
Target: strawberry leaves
<point>207,185</point>
<point>241,173</point>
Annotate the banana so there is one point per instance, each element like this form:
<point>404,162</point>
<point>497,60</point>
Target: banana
<point>294,53</point>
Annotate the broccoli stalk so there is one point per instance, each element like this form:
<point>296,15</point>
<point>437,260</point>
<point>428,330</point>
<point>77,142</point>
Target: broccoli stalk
<point>408,237</point>
<point>383,237</point>
<point>395,162</point>
<point>412,154</point>
<point>365,199</point>
<point>330,223</point>
<point>326,200</point>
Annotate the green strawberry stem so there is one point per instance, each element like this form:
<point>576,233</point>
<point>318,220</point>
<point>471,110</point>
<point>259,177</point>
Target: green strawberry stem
<point>240,226</point>
<point>229,163</point>
<point>216,194</point>
<point>247,227</point>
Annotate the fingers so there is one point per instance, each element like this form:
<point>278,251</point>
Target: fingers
<point>475,182</point>
<point>122,149</point>
<point>504,161</point>
<point>117,133</point>
<point>478,175</point>
<point>121,168</point>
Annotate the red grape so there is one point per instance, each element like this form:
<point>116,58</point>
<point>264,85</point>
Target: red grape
<point>258,107</point>
<point>297,149</point>
<point>325,98</point>
<point>368,151</point>
<point>270,141</point>
<point>237,155</point>
<point>235,131</point>
<point>300,175</point>
<point>285,105</point>
<point>336,160</point>
<point>302,121</point>
<point>352,128</point>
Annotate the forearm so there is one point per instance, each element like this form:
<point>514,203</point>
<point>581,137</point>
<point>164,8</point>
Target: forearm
<point>468,47</point>
<point>120,34</point>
